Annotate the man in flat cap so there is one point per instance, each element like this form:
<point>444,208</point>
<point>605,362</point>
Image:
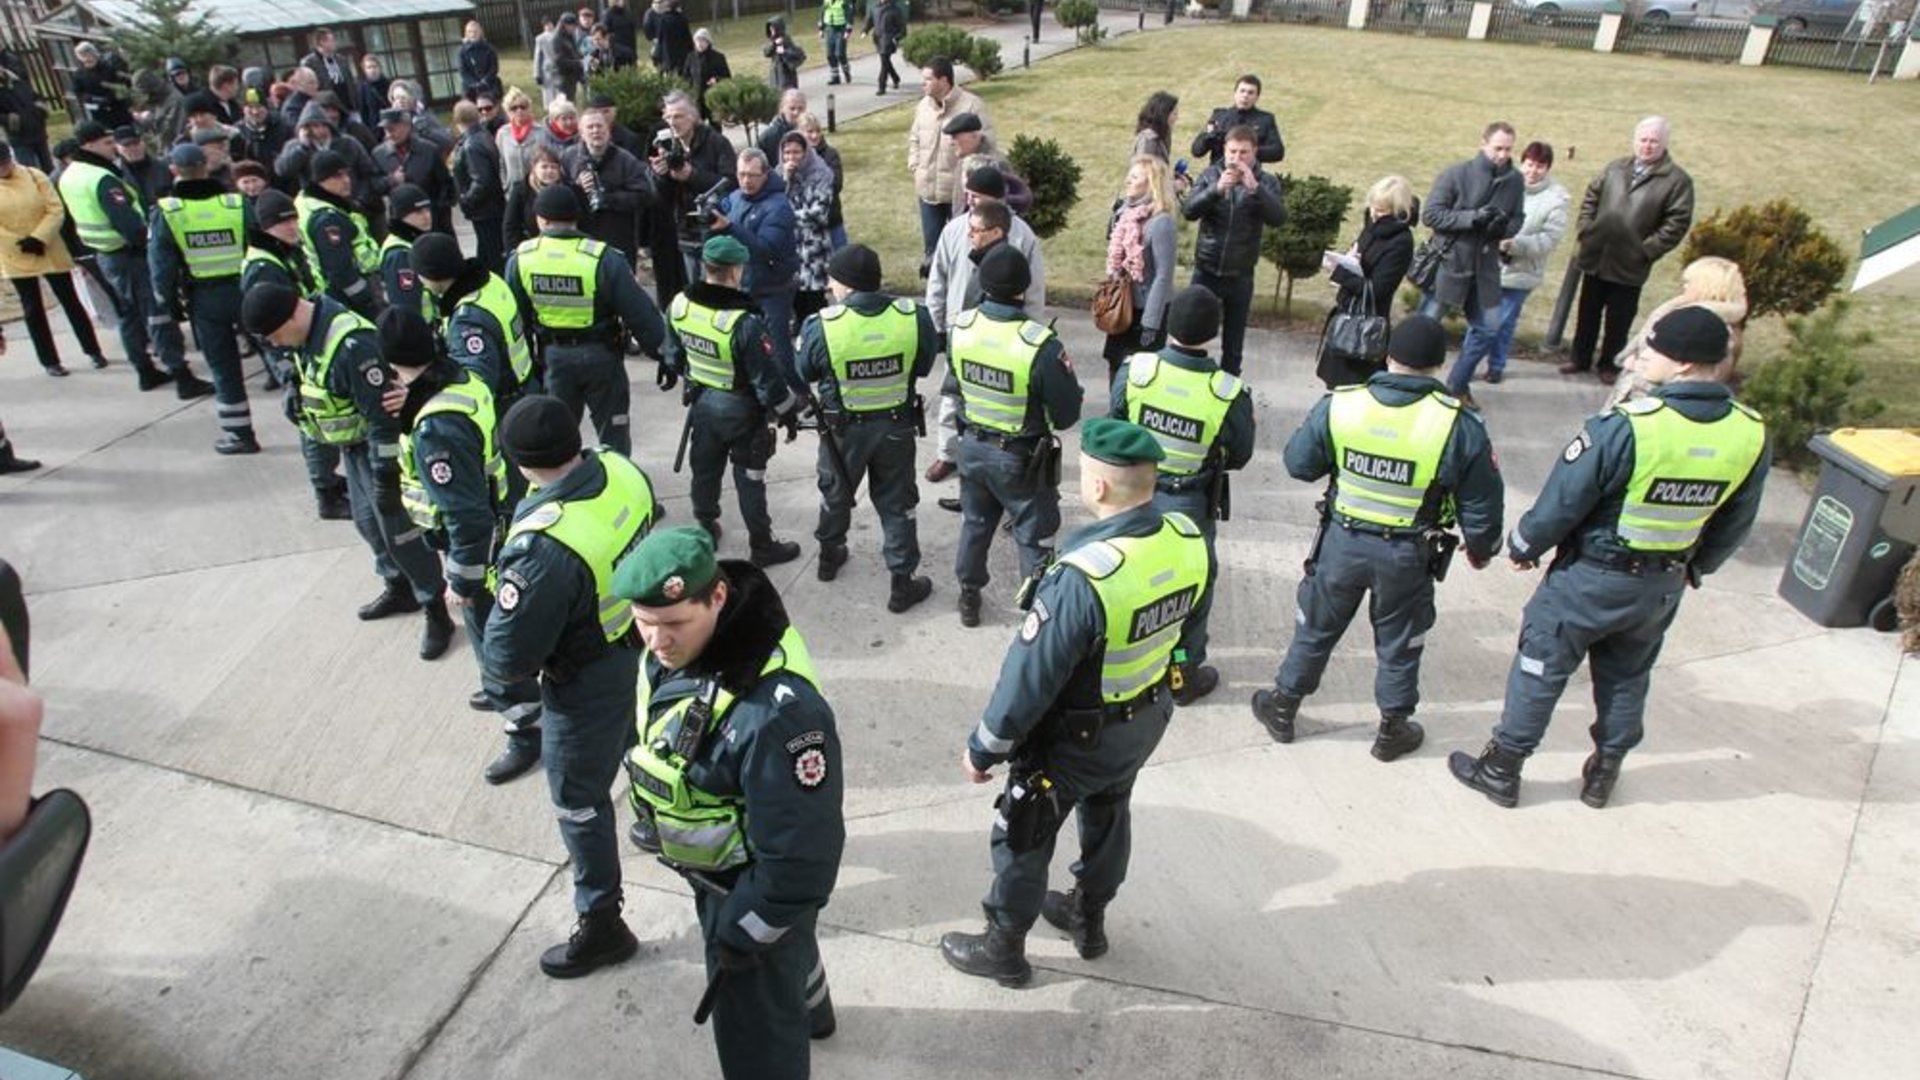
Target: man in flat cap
<point>454,485</point>
<point>866,352</point>
<point>338,235</point>
<point>409,217</point>
<point>197,241</point>
<point>1203,419</point>
<point>1081,703</point>
<point>556,616</point>
<point>479,319</point>
<point>974,149</point>
<point>342,378</point>
<point>1408,463</point>
<point>1649,497</point>
<point>1015,390</point>
<point>736,390</point>
<point>581,303</point>
<point>735,719</point>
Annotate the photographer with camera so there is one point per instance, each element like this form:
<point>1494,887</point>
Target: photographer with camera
<point>688,158</point>
<point>1474,205</point>
<point>614,188</point>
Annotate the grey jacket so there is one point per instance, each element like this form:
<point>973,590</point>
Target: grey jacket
<point>1472,265</point>
<point>951,274</point>
<point>1540,233</point>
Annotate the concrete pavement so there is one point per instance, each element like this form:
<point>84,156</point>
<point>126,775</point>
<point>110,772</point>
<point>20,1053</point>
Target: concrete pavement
<point>298,872</point>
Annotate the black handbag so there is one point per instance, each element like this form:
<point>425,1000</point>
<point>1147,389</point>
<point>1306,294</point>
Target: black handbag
<point>1357,337</point>
<point>1426,262</point>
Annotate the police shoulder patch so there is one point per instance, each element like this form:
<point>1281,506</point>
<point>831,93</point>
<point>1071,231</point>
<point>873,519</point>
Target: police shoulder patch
<point>406,280</point>
<point>441,470</point>
<point>332,233</point>
<point>376,375</point>
<point>810,761</point>
<point>475,344</point>
<point>1037,617</point>
<point>508,596</point>
<point>1581,444</point>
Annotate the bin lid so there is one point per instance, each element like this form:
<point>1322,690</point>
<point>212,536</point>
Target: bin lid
<point>1893,451</point>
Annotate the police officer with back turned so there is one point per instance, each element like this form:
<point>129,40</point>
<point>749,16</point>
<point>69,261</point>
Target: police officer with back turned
<point>479,318</point>
<point>453,482</point>
<point>1016,389</point>
<point>866,351</point>
<point>1408,463</point>
<point>555,615</point>
<point>1081,703</point>
<point>581,303</point>
<point>737,777</point>
<point>1203,419</point>
<point>1647,498</point>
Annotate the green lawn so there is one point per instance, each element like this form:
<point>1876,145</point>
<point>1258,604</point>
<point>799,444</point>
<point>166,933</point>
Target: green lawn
<point>1355,106</point>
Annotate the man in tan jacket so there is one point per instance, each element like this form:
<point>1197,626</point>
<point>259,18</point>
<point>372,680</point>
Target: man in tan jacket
<point>930,151</point>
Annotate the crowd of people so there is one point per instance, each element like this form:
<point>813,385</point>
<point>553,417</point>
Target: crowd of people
<point>439,397</point>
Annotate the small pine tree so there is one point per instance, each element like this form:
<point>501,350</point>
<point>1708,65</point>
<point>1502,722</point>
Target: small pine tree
<point>983,55</point>
<point>1789,266</point>
<point>1810,389</point>
<point>923,43</point>
<point>638,93</point>
<point>1083,18</point>
<point>1054,177</point>
<point>747,100</point>
<point>163,28</point>
<point>1316,208</point>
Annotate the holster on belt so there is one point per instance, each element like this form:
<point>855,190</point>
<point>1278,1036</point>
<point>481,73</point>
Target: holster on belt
<point>1031,808</point>
<point>1043,465</point>
<point>1440,548</point>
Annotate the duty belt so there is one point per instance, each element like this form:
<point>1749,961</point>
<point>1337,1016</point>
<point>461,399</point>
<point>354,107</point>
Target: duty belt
<point>843,417</point>
<point>1411,532</point>
<point>603,333</point>
<point>1637,565</point>
<point>1012,444</point>
<point>1122,711</point>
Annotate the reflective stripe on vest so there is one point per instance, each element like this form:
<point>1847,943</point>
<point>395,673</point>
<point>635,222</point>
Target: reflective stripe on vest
<point>1683,471</point>
<point>296,275</point>
<point>80,190</point>
<point>366,255</point>
<point>210,234</point>
<point>469,398</point>
<point>706,337</point>
<point>601,531</point>
<point>700,830</point>
<point>872,355</point>
<point>993,361</point>
<point>1147,585</point>
<point>558,274</point>
<point>1185,409</point>
<point>496,300</point>
<point>324,417</point>
<point>1386,457</point>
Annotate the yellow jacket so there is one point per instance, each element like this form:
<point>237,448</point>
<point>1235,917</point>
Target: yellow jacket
<point>29,206</point>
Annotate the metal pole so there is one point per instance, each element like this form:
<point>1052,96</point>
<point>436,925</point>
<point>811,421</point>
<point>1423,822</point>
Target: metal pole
<point>833,123</point>
<point>1562,307</point>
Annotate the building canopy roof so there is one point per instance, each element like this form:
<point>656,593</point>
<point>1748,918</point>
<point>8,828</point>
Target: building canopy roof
<point>253,17</point>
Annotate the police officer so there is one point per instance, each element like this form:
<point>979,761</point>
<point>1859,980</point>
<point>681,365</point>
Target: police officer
<point>110,221</point>
<point>453,482</point>
<point>197,243</point>
<point>555,615</point>
<point>1408,463</point>
<point>1101,629</point>
<point>409,216</point>
<point>1203,419</point>
<point>737,766</point>
<point>836,23</point>
<point>865,352</point>
<point>1649,497</point>
<point>1015,390</point>
<point>274,257</point>
<point>737,389</point>
<point>342,379</point>
<point>480,320</point>
<point>337,236</point>
<point>582,302</point>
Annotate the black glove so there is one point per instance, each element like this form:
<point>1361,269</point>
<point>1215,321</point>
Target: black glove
<point>666,378</point>
<point>731,959</point>
<point>1483,217</point>
<point>32,245</point>
<point>791,421</point>
<point>386,492</point>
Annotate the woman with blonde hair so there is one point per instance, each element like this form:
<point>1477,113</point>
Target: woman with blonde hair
<point>517,139</point>
<point>1140,248</point>
<point>1383,253</point>
<point>1710,282</point>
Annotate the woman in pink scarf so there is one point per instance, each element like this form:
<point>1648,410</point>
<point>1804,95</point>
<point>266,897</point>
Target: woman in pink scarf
<point>1140,243</point>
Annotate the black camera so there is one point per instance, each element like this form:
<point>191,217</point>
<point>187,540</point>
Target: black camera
<point>666,145</point>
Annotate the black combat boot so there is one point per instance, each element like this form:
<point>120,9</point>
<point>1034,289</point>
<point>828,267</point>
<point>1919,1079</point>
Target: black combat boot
<point>152,378</point>
<point>519,758</point>
<point>396,598</point>
<point>478,701</point>
<point>999,954</point>
<point>600,938</point>
<point>188,386</point>
<point>332,503</point>
<point>645,834</point>
<point>1191,683</point>
<point>437,635</point>
<point>1597,778</point>
<point>1275,709</point>
<point>1084,920</point>
<point>969,607</point>
<point>237,442</point>
<point>908,591</point>
<point>1398,737</point>
<point>773,553</point>
<point>832,558</point>
<point>1495,773</point>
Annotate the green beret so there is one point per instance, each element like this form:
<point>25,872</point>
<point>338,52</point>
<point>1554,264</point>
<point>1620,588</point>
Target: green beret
<point>724,250</point>
<point>667,567</point>
<point>1119,442</point>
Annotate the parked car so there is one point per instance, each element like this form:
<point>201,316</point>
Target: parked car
<point>1642,14</point>
<point>1820,18</point>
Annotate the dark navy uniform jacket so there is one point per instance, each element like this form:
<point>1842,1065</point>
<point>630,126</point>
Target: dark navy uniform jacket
<point>449,456</point>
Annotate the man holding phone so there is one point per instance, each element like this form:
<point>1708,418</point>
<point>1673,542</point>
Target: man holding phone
<point>1233,201</point>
